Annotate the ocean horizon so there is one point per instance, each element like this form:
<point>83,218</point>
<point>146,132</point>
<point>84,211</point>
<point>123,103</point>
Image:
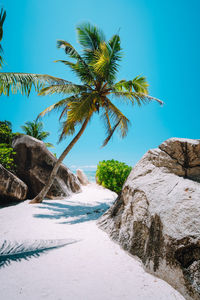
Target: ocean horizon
<point>91,174</point>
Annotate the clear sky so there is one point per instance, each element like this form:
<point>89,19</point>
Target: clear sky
<point>160,40</point>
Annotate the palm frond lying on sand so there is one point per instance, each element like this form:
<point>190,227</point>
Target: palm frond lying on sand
<point>19,250</point>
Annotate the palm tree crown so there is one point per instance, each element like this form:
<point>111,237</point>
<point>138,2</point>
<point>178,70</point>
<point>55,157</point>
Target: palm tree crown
<point>35,129</point>
<point>96,67</point>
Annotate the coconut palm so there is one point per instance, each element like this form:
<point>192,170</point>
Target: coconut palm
<point>96,67</point>
<point>35,129</point>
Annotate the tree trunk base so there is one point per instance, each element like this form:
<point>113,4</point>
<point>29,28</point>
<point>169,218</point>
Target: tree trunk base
<point>36,200</point>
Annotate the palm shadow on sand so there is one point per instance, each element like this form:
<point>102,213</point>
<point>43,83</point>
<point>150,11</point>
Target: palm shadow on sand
<point>73,213</point>
<point>16,251</point>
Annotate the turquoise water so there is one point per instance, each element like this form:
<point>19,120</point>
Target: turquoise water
<point>90,175</point>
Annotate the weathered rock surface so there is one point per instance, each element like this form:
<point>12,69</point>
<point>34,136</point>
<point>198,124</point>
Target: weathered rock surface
<point>34,165</point>
<point>82,177</point>
<point>157,215</point>
<point>11,187</point>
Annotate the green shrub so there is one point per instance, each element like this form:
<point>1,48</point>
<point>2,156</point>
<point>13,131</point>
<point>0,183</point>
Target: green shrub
<point>7,157</point>
<point>6,134</point>
<point>112,174</point>
<point>6,151</point>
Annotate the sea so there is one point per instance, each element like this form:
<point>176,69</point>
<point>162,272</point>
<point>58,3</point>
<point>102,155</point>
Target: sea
<point>90,175</point>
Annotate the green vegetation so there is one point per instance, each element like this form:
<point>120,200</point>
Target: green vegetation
<point>6,151</point>
<point>112,174</point>
<point>35,129</point>
<point>7,157</point>
<point>6,134</point>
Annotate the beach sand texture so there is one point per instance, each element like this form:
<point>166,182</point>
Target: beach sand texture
<point>89,267</point>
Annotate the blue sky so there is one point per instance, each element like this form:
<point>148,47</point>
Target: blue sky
<point>160,40</point>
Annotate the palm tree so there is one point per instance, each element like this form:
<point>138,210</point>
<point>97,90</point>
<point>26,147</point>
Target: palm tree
<point>35,129</point>
<point>96,67</point>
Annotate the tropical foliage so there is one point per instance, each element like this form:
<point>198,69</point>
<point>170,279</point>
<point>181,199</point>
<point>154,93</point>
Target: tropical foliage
<point>6,134</point>
<point>35,129</point>
<point>6,151</point>
<point>112,174</point>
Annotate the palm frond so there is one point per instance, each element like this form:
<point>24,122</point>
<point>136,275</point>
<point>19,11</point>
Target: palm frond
<point>69,49</point>
<point>49,145</point>
<point>89,36</point>
<point>112,115</point>
<point>115,43</point>
<point>57,106</point>
<point>107,122</point>
<point>106,58</point>
<point>69,88</point>
<point>2,17</point>
<point>19,250</point>
<point>117,116</point>
<point>64,112</point>
<point>150,98</point>
<point>67,128</point>
<point>123,90</point>
<point>35,129</point>
<point>65,62</point>
<point>77,112</point>
<point>115,56</point>
<point>83,72</point>
<point>140,84</point>
<point>80,109</point>
<point>101,59</point>
<point>24,82</point>
<point>42,135</point>
<point>110,134</point>
<point>81,68</point>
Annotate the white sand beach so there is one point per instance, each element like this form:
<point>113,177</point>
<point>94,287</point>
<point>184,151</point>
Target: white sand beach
<point>89,267</point>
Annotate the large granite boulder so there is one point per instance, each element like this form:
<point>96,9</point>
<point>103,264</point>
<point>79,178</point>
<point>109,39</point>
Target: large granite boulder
<point>34,165</point>
<point>157,215</point>
<point>11,187</point>
<point>82,177</point>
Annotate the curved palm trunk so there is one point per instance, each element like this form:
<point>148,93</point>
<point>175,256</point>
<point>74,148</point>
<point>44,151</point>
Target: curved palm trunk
<point>44,191</point>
